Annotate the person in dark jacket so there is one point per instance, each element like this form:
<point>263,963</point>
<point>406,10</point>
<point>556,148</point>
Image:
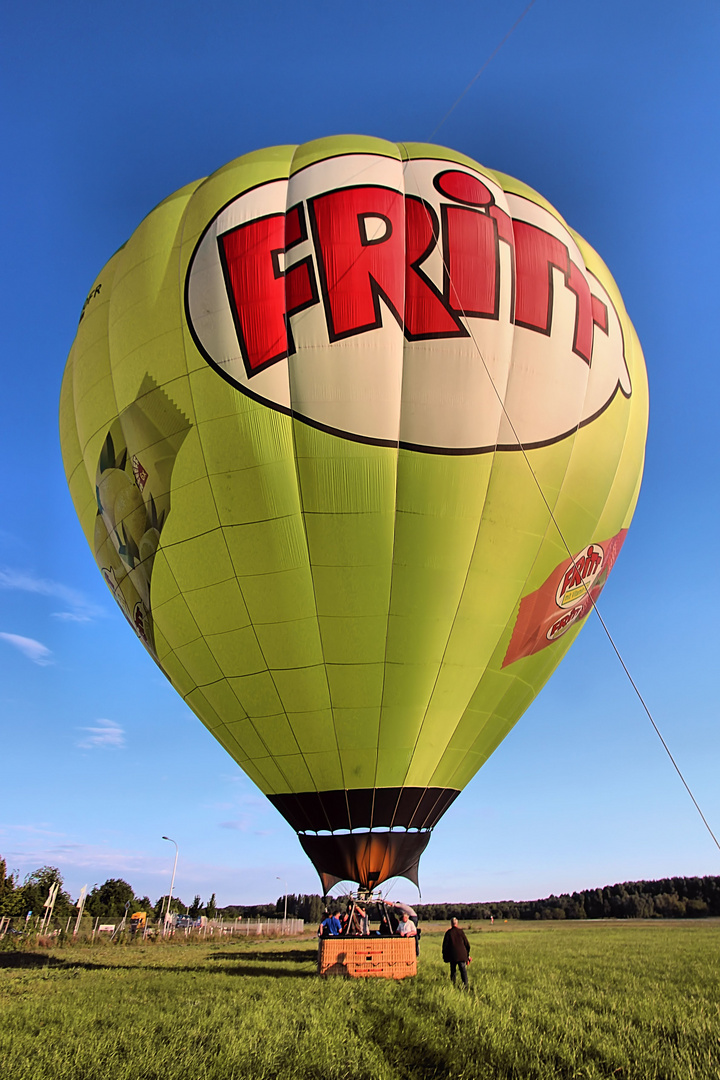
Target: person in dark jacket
<point>456,952</point>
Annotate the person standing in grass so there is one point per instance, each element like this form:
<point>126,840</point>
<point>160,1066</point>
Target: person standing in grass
<point>456,952</point>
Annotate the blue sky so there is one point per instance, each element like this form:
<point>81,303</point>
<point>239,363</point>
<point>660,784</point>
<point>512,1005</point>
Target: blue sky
<point>611,110</point>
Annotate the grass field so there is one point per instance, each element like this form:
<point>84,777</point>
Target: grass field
<point>547,1000</point>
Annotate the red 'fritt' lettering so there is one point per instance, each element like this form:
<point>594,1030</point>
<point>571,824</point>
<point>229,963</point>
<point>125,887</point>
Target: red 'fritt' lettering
<point>426,314</point>
<point>359,243</point>
<point>583,567</point>
<point>536,253</point>
<point>504,225</point>
<point>470,244</point>
<point>295,228</point>
<point>463,187</point>
<point>371,243</point>
<point>583,334</point>
<point>300,287</point>
<point>599,313</point>
<point>257,286</point>
<point>573,575</point>
<point>472,281</point>
<point>564,622</point>
<point>254,281</point>
<point>592,561</point>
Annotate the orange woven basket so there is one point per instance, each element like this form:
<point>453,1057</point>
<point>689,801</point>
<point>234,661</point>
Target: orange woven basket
<point>379,957</point>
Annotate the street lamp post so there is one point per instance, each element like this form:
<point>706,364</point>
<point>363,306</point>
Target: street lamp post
<point>172,882</point>
<point>285,915</point>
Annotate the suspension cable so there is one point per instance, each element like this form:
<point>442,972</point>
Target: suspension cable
<point>477,75</point>
<point>565,544</point>
<point>554,520</point>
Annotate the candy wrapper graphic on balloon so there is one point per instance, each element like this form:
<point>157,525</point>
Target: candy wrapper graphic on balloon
<point>133,499</point>
<point>564,599</point>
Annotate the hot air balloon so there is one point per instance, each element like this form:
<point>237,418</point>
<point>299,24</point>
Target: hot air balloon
<point>355,432</point>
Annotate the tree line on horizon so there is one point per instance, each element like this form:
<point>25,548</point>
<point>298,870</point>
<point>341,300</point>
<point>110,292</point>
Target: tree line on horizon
<point>108,900</point>
<point>666,898</point>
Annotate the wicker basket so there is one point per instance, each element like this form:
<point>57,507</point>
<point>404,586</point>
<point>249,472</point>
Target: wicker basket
<point>384,958</point>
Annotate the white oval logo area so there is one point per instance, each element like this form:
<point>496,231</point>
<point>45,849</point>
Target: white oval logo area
<point>378,300</point>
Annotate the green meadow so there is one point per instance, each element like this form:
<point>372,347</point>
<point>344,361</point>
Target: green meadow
<point>547,1000</point>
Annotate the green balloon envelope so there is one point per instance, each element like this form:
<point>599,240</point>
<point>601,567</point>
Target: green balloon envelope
<point>355,432</point>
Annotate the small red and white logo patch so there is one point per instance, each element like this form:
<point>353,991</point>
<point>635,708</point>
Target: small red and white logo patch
<point>565,597</point>
<point>578,579</point>
<point>563,624</point>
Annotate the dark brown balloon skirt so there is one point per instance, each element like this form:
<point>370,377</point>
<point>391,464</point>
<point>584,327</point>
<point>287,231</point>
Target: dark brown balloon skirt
<point>374,853</point>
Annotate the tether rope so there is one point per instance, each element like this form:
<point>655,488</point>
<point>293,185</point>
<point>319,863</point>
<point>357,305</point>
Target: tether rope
<point>595,608</point>
<point>536,481</point>
<point>477,75</point>
<point>590,597</point>
<point>560,532</point>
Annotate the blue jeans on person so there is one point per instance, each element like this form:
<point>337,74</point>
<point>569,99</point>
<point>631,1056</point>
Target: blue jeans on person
<point>463,972</point>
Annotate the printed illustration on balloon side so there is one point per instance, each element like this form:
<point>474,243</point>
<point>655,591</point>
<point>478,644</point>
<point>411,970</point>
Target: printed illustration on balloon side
<point>563,599</point>
<point>132,488</point>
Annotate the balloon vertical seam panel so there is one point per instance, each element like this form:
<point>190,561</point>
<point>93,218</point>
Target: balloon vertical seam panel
<point>304,423</point>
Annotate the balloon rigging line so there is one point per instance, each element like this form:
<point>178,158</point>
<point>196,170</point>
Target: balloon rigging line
<point>477,75</point>
<point>529,464</point>
<point>570,554</point>
<point>590,597</point>
<point>394,883</point>
<point>537,482</point>
<point>650,718</point>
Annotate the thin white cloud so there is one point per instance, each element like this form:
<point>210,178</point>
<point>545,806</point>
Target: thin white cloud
<point>245,826</point>
<point>42,829</point>
<point>106,736</point>
<point>96,859</point>
<point>81,610</point>
<point>34,650</point>
<point>82,860</point>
